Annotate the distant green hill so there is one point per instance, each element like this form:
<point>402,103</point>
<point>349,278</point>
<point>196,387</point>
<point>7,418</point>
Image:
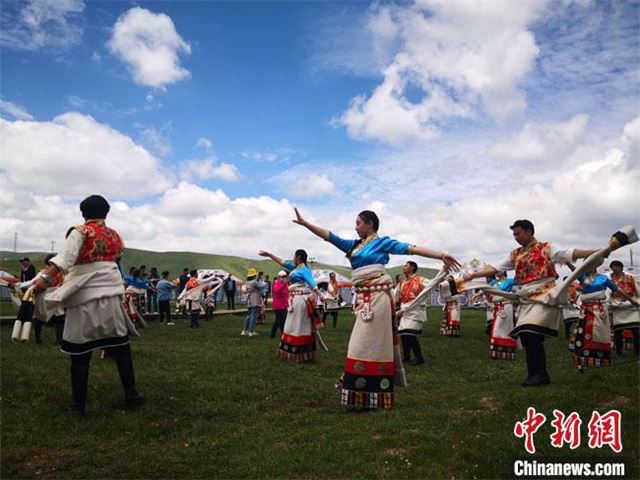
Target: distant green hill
<point>174,262</point>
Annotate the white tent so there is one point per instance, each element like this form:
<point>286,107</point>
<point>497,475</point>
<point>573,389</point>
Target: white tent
<point>214,272</point>
<point>321,276</point>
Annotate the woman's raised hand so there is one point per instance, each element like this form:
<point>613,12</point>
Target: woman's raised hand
<point>450,262</point>
<point>299,219</point>
<point>264,253</point>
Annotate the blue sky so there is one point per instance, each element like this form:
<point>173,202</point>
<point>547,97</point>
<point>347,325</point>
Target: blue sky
<point>205,122</point>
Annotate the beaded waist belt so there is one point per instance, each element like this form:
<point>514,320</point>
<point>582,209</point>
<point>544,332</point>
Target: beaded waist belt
<point>299,292</point>
<point>385,287</point>
<point>593,300</point>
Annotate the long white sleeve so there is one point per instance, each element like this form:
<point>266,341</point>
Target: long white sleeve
<point>66,258</point>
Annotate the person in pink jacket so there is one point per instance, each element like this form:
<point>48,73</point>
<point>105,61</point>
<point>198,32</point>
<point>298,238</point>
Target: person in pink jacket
<point>280,302</point>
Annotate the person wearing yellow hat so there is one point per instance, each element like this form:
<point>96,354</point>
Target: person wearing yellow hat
<point>254,302</point>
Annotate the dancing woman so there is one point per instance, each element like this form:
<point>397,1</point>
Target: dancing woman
<point>373,362</point>
<point>590,344</point>
<point>298,341</point>
<point>501,345</point>
<point>625,317</point>
<point>450,325</point>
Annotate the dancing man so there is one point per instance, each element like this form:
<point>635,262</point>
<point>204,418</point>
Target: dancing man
<point>92,292</point>
<point>373,362</point>
<point>332,300</point>
<point>411,296</point>
<point>535,275</point>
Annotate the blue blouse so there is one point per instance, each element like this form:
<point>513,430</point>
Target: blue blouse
<point>506,285</point>
<point>136,282</point>
<point>599,283</point>
<point>299,274</point>
<point>376,251</point>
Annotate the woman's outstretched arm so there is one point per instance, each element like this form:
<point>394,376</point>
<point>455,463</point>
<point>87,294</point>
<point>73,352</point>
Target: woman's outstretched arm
<point>319,231</point>
<point>449,260</point>
<point>275,258</point>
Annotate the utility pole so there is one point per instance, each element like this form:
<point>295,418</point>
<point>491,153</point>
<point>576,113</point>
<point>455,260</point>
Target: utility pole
<point>15,241</point>
<point>53,245</point>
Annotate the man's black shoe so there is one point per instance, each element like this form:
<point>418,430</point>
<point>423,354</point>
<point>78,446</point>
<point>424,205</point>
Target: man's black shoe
<point>536,380</point>
<point>78,409</point>
<point>134,399</point>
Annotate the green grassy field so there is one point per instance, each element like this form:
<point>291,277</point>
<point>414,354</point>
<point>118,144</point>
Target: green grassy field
<point>223,406</point>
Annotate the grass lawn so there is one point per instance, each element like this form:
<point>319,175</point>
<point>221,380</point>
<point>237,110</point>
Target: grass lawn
<point>223,406</point>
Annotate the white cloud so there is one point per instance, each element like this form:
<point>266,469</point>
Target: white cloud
<point>207,168</point>
<point>40,23</point>
<point>313,185</point>
<point>260,156</point>
<point>279,154</point>
<point>456,56</point>
<point>76,102</point>
<point>467,213</point>
<point>74,155</point>
<point>461,198</point>
<point>156,139</point>
<point>631,136</point>
<point>149,45</point>
<point>185,218</point>
<point>14,111</point>
<point>205,143</point>
<point>544,142</point>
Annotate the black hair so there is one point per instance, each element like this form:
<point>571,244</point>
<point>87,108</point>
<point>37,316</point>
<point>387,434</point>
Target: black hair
<point>525,225</point>
<point>136,273</point>
<point>616,263</point>
<point>398,277</point>
<point>48,257</point>
<point>185,269</point>
<point>193,273</point>
<point>368,216</point>
<point>94,206</point>
<point>131,270</point>
<point>413,265</point>
<point>165,274</point>
<point>301,255</point>
<point>143,266</point>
